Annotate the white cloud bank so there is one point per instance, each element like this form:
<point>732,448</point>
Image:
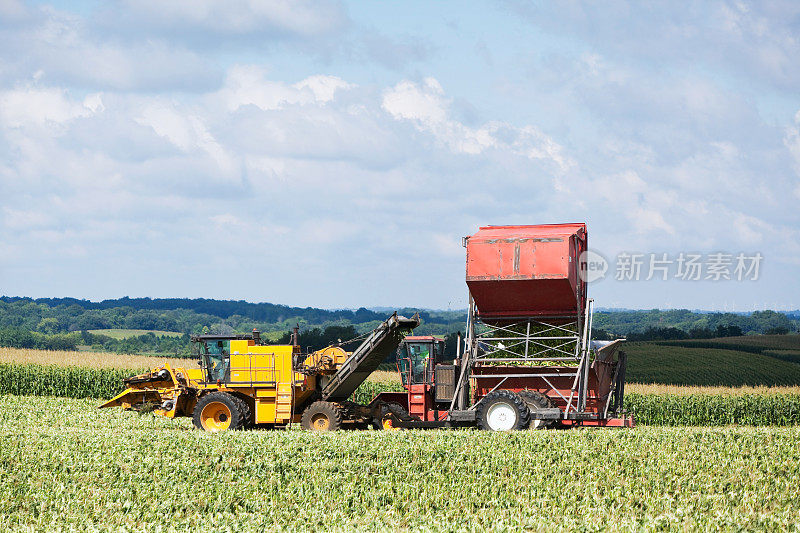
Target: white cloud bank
<point>327,192</point>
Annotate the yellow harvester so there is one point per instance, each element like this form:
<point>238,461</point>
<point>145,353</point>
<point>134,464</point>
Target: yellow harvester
<point>242,382</point>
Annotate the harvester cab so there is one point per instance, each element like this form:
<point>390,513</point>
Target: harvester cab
<point>214,359</point>
<point>417,357</point>
<point>428,381</point>
<point>214,354</point>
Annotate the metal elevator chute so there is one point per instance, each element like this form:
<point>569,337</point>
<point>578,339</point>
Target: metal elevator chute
<point>378,345</point>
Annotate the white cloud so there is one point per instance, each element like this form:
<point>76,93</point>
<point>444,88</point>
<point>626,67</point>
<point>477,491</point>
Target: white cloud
<point>756,41</point>
<point>56,47</point>
<point>427,107</point>
<point>38,106</point>
<point>17,219</point>
<point>238,17</point>
<point>250,85</point>
<point>751,230</point>
<point>148,160</point>
<point>323,87</point>
<point>11,7</point>
<point>644,221</point>
<point>425,103</point>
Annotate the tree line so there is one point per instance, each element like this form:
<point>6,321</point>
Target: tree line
<point>16,337</point>
<point>64,315</point>
<point>65,323</point>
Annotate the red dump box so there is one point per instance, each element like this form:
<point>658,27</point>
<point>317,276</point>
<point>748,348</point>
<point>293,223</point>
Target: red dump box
<point>526,271</point>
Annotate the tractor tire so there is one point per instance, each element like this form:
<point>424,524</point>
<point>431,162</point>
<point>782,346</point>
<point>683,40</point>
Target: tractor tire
<point>502,410</point>
<point>248,421</point>
<point>322,416</point>
<point>218,411</point>
<point>536,400</point>
<point>389,410</point>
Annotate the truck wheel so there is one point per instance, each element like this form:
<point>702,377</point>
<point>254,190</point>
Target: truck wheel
<point>536,400</point>
<point>322,416</point>
<point>391,412</point>
<point>502,410</point>
<point>218,411</point>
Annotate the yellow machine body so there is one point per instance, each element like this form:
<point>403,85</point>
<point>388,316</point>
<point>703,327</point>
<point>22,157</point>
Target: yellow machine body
<point>243,382</point>
<point>262,376</point>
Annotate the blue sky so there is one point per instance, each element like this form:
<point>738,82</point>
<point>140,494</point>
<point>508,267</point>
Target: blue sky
<point>333,154</point>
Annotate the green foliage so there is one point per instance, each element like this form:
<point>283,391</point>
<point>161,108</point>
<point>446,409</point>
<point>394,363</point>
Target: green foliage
<point>176,346</point>
<point>120,334</point>
<point>692,324</point>
<point>17,337</point>
<point>53,323</point>
<point>316,338</point>
<point>778,346</point>
<point>66,381</point>
<point>672,333</point>
<point>183,315</point>
<point>712,344</point>
<point>369,389</point>
<point>670,410</point>
<point>779,330</point>
<point>791,356</point>
<point>683,365</point>
<point>149,343</point>
<point>714,409</point>
<point>751,343</point>
<point>103,383</point>
<point>68,466</point>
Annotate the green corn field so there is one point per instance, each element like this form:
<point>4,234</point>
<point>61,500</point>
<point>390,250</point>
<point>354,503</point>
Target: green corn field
<point>715,409</point>
<point>65,465</point>
<point>66,381</point>
<point>768,409</point>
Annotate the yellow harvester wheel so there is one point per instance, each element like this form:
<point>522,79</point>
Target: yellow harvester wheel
<point>216,417</point>
<point>391,412</point>
<point>322,416</point>
<point>388,424</point>
<point>219,411</point>
<point>320,422</point>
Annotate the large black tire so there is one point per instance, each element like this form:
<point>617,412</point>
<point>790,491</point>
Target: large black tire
<point>322,416</point>
<point>502,410</point>
<point>248,420</point>
<point>536,400</point>
<point>218,411</point>
<point>389,412</point>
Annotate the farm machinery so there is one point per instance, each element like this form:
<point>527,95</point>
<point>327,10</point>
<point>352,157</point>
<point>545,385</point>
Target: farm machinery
<point>526,361</point>
<point>243,382</point>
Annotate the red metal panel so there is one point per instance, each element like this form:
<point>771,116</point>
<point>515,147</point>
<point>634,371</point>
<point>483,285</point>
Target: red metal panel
<point>418,400</point>
<point>526,271</point>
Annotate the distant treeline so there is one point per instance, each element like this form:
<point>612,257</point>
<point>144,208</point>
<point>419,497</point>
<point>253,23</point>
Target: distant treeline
<point>61,323</point>
<point>668,334</point>
<point>64,315</point>
<point>692,324</point>
<point>16,337</point>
